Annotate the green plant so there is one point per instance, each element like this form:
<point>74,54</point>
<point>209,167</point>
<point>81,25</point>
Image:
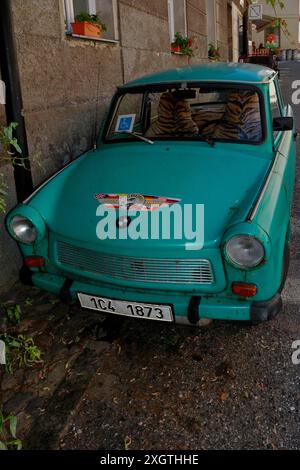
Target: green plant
<point>10,152</point>
<point>7,140</point>
<point>276,3</point>
<point>96,19</point>
<point>20,352</point>
<point>9,147</point>
<point>184,43</point>
<point>279,22</point>
<point>13,314</point>
<point>213,52</point>
<point>8,433</point>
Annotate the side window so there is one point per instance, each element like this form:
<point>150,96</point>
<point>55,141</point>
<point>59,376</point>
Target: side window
<point>275,104</point>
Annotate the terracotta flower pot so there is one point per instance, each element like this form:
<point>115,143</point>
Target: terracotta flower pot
<point>84,28</point>
<point>176,49</point>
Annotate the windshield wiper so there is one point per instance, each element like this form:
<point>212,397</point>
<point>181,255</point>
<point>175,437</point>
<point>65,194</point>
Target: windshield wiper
<point>144,139</point>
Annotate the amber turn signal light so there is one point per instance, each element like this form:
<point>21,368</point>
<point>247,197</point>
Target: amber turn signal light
<point>244,290</point>
<point>34,262</point>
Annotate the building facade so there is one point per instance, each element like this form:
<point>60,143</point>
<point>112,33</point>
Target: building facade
<point>67,81</point>
<point>289,39</point>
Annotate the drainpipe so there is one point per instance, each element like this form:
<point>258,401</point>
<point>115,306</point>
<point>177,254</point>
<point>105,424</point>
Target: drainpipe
<point>14,106</point>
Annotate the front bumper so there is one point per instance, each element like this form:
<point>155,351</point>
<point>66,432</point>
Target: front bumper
<point>188,310</point>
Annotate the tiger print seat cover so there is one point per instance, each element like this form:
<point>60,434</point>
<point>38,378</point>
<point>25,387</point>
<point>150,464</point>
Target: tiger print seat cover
<point>241,117</point>
<point>174,117</point>
<point>240,121</point>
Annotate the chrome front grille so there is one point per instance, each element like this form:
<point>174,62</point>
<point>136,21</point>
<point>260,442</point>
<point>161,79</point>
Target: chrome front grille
<point>168,271</point>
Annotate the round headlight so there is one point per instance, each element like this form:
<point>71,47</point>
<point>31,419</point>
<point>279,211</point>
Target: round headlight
<point>23,230</point>
<point>245,251</point>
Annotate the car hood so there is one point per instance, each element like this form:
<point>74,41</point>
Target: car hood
<point>226,179</point>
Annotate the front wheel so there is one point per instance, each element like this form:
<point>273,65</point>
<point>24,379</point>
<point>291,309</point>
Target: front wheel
<point>286,265</point>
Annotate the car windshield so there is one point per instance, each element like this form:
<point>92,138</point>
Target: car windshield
<point>209,113</point>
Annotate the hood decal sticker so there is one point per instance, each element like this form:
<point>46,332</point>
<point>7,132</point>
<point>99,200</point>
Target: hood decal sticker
<point>134,201</point>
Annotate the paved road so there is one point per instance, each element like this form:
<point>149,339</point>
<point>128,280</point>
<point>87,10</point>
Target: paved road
<point>230,386</point>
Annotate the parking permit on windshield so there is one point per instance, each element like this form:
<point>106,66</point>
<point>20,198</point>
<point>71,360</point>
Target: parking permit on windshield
<point>125,123</point>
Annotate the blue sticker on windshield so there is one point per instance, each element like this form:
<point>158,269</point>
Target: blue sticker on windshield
<point>125,123</point>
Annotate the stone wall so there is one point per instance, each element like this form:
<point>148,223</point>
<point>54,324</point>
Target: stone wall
<point>60,75</point>
<point>9,255</point>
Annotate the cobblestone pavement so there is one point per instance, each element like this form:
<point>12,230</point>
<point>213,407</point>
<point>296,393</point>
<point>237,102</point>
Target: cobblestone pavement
<point>149,386</point>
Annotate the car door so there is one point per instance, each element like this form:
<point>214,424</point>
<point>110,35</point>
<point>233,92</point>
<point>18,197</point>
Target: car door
<point>284,141</point>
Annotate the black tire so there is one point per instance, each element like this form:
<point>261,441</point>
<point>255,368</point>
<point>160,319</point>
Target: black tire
<point>285,270</point>
<point>286,265</point>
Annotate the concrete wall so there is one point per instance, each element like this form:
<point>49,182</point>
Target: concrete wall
<point>60,77</point>
<point>10,258</point>
<point>9,255</point>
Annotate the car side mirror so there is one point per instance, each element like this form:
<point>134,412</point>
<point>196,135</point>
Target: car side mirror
<point>283,124</point>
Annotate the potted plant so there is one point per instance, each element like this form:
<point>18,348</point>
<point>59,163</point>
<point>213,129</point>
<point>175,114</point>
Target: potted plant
<point>88,25</point>
<point>182,45</point>
<point>213,53</point>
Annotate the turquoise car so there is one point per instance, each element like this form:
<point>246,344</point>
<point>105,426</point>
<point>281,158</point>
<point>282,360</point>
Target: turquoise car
<point>181,211</point>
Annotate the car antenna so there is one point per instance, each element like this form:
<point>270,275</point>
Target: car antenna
<point>96,109</point>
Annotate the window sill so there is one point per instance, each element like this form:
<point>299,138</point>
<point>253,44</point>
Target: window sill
<point>178,53</point>
<point>91,38</point>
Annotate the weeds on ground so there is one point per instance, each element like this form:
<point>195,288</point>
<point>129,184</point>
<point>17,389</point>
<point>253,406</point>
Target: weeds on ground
<point>8,433</point>
<point>13,314</point>
<point>20,352</point>
<point>28,302</point>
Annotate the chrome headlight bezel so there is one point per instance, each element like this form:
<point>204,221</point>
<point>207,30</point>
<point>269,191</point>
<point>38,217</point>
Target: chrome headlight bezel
<point>233,251</point>
<point>23,229</point>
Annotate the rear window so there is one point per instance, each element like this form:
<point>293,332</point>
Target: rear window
<point>193,113</point>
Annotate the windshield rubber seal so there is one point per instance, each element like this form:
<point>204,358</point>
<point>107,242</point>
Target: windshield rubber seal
<point>164,87</point>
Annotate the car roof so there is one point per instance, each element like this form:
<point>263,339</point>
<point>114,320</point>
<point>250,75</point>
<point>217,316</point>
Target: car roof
<point>213,72</point>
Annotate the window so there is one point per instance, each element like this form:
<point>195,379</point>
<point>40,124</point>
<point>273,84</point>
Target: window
<point>211,22</point>
<point>106,8</point>
<point>275,106</point>
<point>177,18</point>
<point>206,113</point>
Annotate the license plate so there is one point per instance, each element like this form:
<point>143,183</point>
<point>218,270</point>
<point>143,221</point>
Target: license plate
<point>128,309</point>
